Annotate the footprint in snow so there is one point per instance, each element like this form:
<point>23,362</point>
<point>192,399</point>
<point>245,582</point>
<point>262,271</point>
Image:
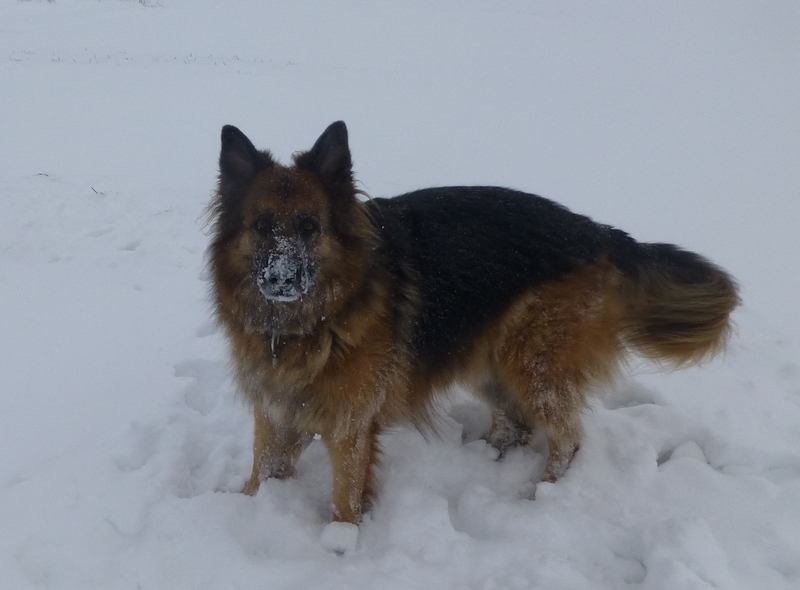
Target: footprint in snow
<point>202,394</point>
<point>689,449</point>
<point>130,246</point>
<point>207,329</point>
<point>99,232</point>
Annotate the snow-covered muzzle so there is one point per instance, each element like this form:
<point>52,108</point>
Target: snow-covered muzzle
<point>286,272</point>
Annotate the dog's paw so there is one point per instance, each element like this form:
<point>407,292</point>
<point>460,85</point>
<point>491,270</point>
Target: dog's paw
<point>251,487</point>
<point>339,537</point>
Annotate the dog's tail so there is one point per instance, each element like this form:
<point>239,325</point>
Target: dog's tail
<point>678,304</point>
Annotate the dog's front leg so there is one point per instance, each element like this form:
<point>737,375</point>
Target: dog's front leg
<point>353,459</point>
<point>275,450</point>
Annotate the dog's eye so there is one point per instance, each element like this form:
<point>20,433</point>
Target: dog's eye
<point>307,226</point>
<point>264,223</point>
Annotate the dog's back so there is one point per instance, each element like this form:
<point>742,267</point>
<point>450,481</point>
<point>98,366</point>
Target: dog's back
<point>477,249</point>
<point>474,250</point>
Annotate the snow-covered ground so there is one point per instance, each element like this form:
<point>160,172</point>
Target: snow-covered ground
<point>121,440</point>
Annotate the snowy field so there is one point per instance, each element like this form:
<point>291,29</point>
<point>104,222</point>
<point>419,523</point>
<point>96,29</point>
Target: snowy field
<point>122,441</point>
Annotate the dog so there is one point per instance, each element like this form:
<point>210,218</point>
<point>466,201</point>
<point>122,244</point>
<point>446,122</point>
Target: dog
<point>346,315</point>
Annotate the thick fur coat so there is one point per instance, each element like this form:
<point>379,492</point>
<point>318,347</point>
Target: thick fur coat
<point>346,316</point>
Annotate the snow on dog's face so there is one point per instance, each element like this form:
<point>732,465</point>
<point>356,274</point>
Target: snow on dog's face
<point>289,241</point>
<point>286,258</point>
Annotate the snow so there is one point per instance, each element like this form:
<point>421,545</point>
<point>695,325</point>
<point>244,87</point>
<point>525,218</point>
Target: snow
<point>341,537</point>
<point>123,440</point>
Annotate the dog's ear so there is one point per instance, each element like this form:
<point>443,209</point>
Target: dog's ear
<point>239,160</point>
<point>330,157</point>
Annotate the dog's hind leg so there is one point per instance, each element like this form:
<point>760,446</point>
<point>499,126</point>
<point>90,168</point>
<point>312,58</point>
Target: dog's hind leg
<point>559,413</point>
<point>554,404</point>
<point>509,426</point>
<point>275,450</point>
<point>557,343</point>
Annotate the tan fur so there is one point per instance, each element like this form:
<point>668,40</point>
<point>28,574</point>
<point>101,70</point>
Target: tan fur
<point>338,377</point>
<point>275,450</point>
<point>678,322</point>
<point>555,342</point>
<point>342,365</point>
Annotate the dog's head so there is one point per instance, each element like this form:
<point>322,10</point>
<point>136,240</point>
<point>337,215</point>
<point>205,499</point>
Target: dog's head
<point>289,240</point>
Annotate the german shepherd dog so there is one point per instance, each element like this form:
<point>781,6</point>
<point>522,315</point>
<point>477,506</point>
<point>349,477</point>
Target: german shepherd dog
<point>345,315</point>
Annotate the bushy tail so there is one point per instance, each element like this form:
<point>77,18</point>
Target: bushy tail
<point>679,305</point>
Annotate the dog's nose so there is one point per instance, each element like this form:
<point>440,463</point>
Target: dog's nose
<point>281,280</point>
<point>283,277</point>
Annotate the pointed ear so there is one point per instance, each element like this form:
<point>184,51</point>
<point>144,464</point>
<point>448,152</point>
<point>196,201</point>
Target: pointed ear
<point>239,160</point>
<point>330,157</point>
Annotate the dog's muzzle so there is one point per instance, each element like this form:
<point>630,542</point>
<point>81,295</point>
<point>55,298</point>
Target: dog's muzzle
<point>281,279</point>
<point>287,274</point>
